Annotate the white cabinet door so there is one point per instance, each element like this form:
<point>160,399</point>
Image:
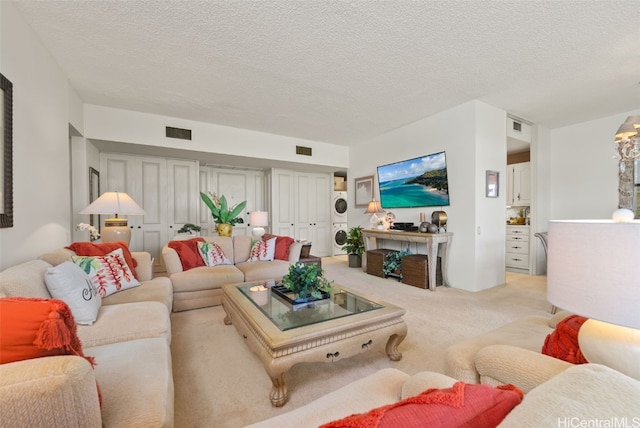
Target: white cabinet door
<point>519,184</point>
<point>321,208</point>
<point>282,207</point>
<point>145,180</point>
<point>522,183</point>
<point>313,210</point>
<point>183,191</point>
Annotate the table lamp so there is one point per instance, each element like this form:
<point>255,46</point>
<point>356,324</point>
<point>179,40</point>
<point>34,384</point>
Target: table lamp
<point>258,219</point>
<point>115,229</point>
<point>374,208</point>
<point>593,270</point>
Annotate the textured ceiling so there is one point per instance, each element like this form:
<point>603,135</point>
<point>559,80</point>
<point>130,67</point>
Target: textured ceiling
<point>345,71</point>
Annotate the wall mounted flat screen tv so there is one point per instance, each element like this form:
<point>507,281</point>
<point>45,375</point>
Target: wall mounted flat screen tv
<point>418,182</point>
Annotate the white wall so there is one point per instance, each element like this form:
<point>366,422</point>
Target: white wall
<point>41,199</point>
<point>584,176</point>
<point>489,226</point>
<point>109,124</point>
<point>474,138</point>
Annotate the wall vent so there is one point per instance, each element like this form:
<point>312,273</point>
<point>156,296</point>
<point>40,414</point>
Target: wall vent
<point>182,134</point>
<point>301,150</point>
<point>517,126</point>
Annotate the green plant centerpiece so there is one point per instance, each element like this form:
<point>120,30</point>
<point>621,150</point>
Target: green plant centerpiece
<point>392,264</point>
<point>354,246</point>
<point>223,215</point>
<point>306,282</point>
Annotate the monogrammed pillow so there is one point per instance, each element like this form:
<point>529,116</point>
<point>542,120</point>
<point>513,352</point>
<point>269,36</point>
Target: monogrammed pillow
<point>69,283</point>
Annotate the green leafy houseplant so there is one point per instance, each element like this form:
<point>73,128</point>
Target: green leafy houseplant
<point>220,210</point>
<point>354,246</point>
<point>306,281</point>
<point>392,264</point>
<point>188,228</point>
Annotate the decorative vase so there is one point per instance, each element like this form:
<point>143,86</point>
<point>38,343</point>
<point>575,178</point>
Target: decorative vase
<point>224,229</point>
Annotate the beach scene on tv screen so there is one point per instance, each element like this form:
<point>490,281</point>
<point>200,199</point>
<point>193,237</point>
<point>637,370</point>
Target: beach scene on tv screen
<point>419,182</point>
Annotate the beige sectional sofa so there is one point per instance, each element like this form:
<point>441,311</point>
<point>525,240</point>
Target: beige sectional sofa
<point>130,342</point>
<point>462,360</point>
<point>202,286</point>
<point>582,395</point>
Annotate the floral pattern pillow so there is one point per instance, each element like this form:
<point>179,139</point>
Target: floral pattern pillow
<point>212,254</point>
<point>109,273</point>
<point>262,251</point>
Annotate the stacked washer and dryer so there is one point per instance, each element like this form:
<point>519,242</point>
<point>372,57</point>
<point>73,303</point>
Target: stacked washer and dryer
<point>339,220</point>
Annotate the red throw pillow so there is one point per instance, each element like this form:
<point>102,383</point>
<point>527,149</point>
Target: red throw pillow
<point>463,405</point>
<point>562,343</point>
<point>34,328</point>
<point>282,245</point>
<point>188,252</point>
<point>104,248</point>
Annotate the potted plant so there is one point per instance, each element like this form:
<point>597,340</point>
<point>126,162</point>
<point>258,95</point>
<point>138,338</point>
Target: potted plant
<point>223,215</point>
<point>354,246</point>
<point>306,282</point>
<point>392,265</point>
<point>189,229</point>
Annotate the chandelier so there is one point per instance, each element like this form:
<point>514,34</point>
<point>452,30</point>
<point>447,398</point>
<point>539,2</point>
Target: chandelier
<point>627,142</point>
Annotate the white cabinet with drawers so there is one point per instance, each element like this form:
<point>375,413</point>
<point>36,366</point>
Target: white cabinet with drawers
<point>517,250</point>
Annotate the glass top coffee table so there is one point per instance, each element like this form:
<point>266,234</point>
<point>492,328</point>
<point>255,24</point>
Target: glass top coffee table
<point>283,334</point>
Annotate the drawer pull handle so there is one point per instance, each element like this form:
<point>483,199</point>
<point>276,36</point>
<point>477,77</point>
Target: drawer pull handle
<point>366,345</point>
<point>244,336</point>
<point>334,355</point>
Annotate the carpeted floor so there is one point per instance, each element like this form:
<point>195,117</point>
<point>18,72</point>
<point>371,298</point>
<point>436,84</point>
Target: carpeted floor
<point>219,382</point>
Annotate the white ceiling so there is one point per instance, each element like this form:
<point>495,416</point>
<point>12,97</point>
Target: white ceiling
<point>346,71</point>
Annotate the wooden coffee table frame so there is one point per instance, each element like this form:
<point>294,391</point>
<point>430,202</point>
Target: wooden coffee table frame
<point>326,341</point>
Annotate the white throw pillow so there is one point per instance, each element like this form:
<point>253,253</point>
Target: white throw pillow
<point>262,251</point>
<point>109,273</point>
<point>69,283</point>
<point>212,254</point>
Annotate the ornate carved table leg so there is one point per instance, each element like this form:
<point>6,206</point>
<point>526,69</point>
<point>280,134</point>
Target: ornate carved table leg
<point>279,394</point>
<point>393,342</point>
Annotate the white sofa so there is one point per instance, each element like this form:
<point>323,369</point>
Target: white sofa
<point>202,286</point>
<point>130,342</point>
<point>580,395</point>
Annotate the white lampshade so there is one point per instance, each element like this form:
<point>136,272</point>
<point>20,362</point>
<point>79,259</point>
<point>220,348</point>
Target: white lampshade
<point>114,203</point>
<point>374,207</point>
<point>115,229</point>
<point>258,219</point>
<point>593,270</point>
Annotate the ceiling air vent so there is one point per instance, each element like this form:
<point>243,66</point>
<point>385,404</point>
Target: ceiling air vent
<point>182,134</point>
<point>301,150</point>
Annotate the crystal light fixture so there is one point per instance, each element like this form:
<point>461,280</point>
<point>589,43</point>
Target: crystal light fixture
<point>627,142</point>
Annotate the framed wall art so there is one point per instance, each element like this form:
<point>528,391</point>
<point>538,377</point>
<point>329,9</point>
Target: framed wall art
<point>364,191</point>
<point>94,193</point>
<point>6,153</point>
<point>493,184</point>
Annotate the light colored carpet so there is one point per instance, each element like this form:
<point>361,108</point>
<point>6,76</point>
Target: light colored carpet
<point>220,382</point>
